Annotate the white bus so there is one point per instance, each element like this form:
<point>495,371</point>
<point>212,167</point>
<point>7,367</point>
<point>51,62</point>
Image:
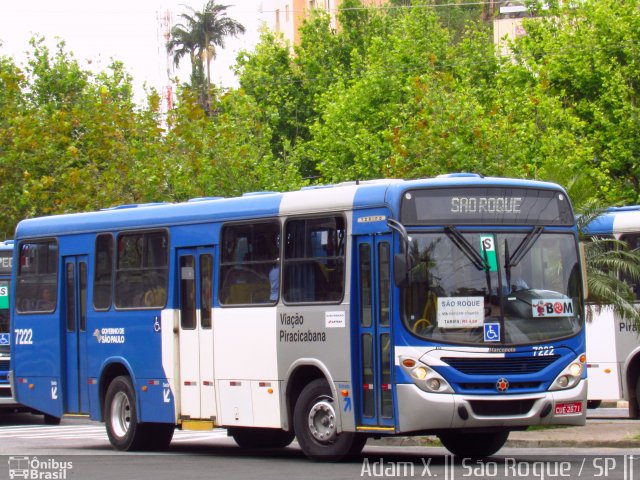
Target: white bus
<point>613,345</point>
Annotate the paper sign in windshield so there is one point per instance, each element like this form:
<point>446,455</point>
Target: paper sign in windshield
<point>460,312</point>
<point>553,307</point>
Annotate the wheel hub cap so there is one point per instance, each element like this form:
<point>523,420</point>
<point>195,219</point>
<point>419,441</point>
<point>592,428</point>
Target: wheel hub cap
<point>322,422</point>
<point>120,414</point>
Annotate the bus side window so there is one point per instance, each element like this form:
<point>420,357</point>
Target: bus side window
<point>314,260</point>
<point>141,270</point>
<point>37,277</point>
<point>250,264</point>
<point>103,272</point>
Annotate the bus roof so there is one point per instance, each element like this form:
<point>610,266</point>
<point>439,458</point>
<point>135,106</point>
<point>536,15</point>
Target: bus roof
<point>309,200</point>
<point>616,220</point>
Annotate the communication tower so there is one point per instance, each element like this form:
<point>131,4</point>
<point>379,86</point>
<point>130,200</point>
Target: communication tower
<point>165,23</point>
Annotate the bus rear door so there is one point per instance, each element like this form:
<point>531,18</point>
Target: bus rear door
<point>76,396</point>
<point>197,392</point>
<point>376,410</point>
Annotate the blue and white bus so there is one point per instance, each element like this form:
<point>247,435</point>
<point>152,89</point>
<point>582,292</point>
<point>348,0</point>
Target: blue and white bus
<point>451,306</point>
<point>6,257</point>
<point>612,341</point>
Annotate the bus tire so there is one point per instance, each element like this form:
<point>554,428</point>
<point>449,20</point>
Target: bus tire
<point>121,416</point>
<point>159,435</point>
<point>251,438</point>
<point>475,445</point>
<point>314,422</point>
<point>51,420</point>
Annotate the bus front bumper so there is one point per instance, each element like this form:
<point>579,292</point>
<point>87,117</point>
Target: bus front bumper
<point>419,410</point>
<point>7,400</point>
<point>6,396</point>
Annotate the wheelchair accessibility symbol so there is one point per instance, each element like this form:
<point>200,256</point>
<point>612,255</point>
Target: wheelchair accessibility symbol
<point>491,332</point>
<point>4,339</point>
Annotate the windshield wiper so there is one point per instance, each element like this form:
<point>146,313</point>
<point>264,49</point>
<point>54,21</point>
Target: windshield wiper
<point>466,248</point>
<point>524,247</point>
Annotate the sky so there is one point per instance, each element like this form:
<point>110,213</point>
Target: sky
<point>127,30</point>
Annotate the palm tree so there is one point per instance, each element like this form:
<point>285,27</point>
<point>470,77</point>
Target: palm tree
<point>199,34</point>
<point>183,42</point>
<point>215,26</point>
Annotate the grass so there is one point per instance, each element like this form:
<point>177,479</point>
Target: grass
<point>534,428</point>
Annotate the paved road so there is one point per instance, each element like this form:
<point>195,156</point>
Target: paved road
<point>86,433</point>
<point>222,460</point>
<point>79,449</point>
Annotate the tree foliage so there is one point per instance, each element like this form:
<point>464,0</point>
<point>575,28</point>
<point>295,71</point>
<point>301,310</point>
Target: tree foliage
<point>72,140</point>
<point>588,58</point>
<point>412,90</point>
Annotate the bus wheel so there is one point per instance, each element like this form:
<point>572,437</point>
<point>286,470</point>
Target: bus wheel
<point>314,422</point>
<point>476,445</point>
<point>261,437</point>
<point>120,414</point>
<point>159,435</point>
<point>51,420</point>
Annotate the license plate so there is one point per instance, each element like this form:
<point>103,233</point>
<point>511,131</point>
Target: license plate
<point>568,408</point>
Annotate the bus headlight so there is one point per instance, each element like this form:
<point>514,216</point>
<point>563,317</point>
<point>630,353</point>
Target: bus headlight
<point>419,373</point>
<point>425,378</point>
<point>570,376</point>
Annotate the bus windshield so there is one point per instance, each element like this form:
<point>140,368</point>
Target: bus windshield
<point>493,287</point>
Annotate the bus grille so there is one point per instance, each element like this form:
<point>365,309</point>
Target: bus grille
<point>500,366</point>
<point>492,386</point>
<point>501,408</point>
<point>4,365</point>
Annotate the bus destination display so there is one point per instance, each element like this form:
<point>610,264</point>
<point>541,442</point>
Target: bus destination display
<point>5,262</point>
<point>487,205</point>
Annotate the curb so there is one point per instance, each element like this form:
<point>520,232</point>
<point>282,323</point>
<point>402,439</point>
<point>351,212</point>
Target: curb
<point>614,404</point>
<point>432,441</point>
<point>572,444</point>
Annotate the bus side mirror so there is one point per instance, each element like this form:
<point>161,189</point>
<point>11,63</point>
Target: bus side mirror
<point>401,267</point>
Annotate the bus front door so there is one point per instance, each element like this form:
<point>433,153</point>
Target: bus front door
<point>376,410</point>
<point>74,312</point>
<point>197,394</point>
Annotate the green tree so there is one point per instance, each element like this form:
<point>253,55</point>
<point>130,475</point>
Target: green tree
<point>74,140</point>
<point>351,137</point>
<point>288,83</point>
<point>225,157</point>
<point>12,104</point>
<point>270,77</point>
<point>586,55</point>
<point>215,26</point>
<point>183,42</point>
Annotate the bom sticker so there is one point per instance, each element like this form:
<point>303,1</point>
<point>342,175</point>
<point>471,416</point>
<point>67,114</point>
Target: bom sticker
<point>553,307</point>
